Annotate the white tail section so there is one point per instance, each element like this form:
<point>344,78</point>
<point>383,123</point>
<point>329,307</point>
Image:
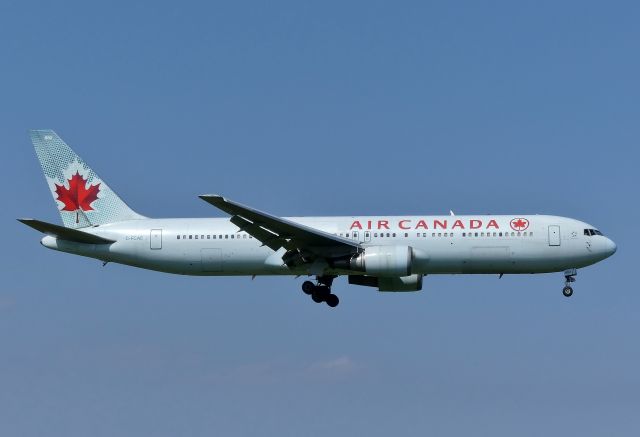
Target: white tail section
<point>82,197</point>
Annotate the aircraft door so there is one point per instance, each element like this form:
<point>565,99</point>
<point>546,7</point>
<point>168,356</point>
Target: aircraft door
<point>155,239</point>
<point>554,235</point>
<point>362,236</point>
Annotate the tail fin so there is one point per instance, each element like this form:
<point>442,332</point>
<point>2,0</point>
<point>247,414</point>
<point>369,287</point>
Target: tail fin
<point>82,198</point>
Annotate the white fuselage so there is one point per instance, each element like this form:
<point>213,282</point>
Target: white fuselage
<point>441,244</point>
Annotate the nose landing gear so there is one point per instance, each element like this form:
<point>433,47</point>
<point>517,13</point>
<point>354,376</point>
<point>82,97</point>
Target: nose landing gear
<point>321,292</point>
<point>569,277</point>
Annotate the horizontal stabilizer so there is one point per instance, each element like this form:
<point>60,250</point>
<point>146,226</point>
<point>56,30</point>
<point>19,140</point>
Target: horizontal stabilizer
<point>63,233</point>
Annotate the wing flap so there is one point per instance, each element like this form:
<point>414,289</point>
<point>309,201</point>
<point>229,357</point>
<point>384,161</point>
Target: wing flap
<point>63,233</point>
<point>266,237</point>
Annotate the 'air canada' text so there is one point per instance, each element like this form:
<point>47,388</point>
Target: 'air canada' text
<point>425,224</point>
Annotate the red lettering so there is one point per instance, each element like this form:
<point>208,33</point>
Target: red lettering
<point>475,224</point>
<point>438,224</point>
<point>458,224</point>
<point>383,224</point>
<point>368,224</point>
<point>356,224</point>
<point>422,224</point>
<point>401,224</point>
<point>493,224</point>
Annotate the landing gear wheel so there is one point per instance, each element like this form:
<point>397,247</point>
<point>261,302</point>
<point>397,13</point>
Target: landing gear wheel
<point>317,297</point>
<point>332,300</point>
<point>569,278</point>
<point>307,287</point>
<point>321,292</point>
<point>567,291</point>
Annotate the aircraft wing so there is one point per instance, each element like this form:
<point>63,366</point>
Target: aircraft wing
<point>276,232</point>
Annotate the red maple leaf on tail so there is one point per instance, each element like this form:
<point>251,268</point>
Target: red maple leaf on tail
<point>77,196</point>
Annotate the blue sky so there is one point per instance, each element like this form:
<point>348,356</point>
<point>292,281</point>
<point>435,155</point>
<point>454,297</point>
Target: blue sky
<point>309,109</point>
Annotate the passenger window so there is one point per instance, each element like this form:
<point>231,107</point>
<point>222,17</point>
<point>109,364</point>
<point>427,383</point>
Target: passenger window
<point>190,237</point>
<point>178,237</point>
<point>500,234</point>
<point>464,234</point>
<point>406,234</point>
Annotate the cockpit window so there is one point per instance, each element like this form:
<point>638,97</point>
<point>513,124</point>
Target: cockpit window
<point>592,232</point>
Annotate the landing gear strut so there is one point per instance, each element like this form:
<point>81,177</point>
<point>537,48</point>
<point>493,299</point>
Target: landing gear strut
<point>569,277</point>
<point>321,292</point>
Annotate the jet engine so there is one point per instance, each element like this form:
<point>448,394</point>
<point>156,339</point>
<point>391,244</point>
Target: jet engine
<point>381,261</point>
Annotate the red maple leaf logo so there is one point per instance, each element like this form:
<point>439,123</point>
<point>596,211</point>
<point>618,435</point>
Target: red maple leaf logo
<point>519,224</point>
<point>77,196</point>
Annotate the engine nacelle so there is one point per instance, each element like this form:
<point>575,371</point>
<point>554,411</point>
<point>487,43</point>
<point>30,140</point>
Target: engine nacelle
<point>404,283</point>
<point>381,261</point>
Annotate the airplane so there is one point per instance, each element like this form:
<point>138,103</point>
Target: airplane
<point>390,253</point>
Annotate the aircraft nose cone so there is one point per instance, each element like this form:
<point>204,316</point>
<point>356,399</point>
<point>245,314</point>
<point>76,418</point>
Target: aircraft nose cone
<point>610,247</point>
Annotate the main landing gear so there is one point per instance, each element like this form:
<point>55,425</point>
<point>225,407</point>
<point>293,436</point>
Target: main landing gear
<point>321,292</point>
<point>569,277</point>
